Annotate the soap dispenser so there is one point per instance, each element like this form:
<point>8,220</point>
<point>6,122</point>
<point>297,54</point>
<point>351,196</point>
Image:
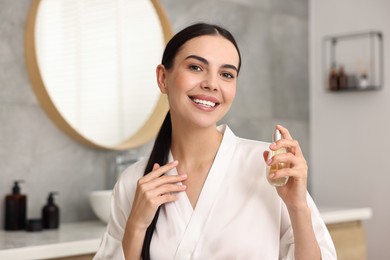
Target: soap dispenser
<point>15,209</point>
<point>51,213</point>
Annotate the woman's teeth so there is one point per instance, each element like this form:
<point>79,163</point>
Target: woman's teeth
<point>204,102</point>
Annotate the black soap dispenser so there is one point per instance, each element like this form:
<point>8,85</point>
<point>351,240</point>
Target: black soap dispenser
<point>15,209</point>
<point>50,213</point>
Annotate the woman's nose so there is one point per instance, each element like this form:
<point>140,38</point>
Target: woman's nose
<point>210,83</point>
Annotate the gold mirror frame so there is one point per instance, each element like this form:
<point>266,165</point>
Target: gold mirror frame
<point>142,136</point>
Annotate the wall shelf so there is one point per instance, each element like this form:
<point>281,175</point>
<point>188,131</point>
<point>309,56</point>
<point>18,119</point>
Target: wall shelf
<point>353,62</point>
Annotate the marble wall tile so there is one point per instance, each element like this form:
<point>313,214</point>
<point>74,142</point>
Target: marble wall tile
<point>253,91</point>
<point>289,67</point>
<point>297,8</point>
<point>13,88</point>
<point>172,6</point>
<point>265,4</point>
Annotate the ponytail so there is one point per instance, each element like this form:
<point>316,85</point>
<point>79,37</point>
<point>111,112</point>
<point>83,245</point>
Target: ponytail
<point>158,155</point>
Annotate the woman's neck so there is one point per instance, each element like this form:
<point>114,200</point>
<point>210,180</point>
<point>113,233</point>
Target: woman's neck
<point>193,146</point>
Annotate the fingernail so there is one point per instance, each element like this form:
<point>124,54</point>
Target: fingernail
<point>269,161</point>
<point>175,162</point>
<point>272,175</point>
<point>183,176</point>
<point>273,145</point>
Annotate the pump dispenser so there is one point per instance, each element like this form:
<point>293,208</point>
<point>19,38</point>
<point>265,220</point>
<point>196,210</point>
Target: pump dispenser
<point>51,213</point>
<point>15,209</point>
<point>273,168</point>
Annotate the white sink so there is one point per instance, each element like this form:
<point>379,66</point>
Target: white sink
<point>100,201</point>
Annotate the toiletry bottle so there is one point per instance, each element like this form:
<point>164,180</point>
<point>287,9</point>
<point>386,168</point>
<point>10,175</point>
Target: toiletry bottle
<point>50,213</point>
<point>363,81</point>
<point>333,78</point>
<point>343,79</point>
<point>15,209</point>
<point>273,168</point>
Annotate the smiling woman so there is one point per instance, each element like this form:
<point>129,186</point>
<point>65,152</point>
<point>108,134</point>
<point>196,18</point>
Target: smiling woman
<point>91,65</point>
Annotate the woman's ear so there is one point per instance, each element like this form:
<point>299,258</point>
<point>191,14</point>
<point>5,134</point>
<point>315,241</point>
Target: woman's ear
<point>161,78</point>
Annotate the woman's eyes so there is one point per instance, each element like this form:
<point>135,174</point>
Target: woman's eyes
<point>227,75</point>
<point>195,68</point>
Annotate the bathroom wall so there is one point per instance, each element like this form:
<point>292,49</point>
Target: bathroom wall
<point>349,131</point>
<point>32,148</point>
<point>273,88</point>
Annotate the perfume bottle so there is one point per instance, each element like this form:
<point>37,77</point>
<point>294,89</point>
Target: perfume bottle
<point>273,168</point>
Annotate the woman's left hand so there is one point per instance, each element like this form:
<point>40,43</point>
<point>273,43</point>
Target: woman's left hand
<point>294,192</point>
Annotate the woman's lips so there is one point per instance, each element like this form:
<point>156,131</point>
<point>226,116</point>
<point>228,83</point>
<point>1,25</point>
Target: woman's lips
<point>205,102</point>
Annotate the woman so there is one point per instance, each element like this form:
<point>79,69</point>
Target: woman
<point>203,193</point>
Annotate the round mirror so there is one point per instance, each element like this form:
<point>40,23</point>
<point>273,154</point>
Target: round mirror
<point>92,67</point>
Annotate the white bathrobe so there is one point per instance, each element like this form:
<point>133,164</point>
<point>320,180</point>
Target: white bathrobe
<point>238,215</point>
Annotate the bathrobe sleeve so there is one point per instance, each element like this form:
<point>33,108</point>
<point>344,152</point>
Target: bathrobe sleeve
<point>121,203</point>
<point>324,240</point>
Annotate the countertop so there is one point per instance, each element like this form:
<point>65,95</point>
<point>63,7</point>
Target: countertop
<point>84,237</point>
<point>69,240</point>
<point>333,215</point>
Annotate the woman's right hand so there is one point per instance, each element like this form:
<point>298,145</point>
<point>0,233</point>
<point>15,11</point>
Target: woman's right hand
<point>153,190</point>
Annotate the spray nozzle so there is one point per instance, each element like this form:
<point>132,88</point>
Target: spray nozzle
<point>276,136</point>
<point>50,198</point>
<point>16,187</point>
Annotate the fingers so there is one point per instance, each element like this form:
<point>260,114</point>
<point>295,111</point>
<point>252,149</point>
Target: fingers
<point>296,174</point>
<point>163,180</point>
<point>287,142</point>
<point>158,171</point>
<point>297,166</point>
<point>156,166</point>
<point>155,184</point>
<point>265,155</point>
<point>289,165</point>
<point>164,190</point>
<point>284,158</point>
<point>153,190</point>
<point>284,131</point>
<point>158,201</point>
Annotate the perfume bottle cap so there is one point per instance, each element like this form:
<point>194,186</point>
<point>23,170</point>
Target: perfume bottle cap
<point>276,135</point>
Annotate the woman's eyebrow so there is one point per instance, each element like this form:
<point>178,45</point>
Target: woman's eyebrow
<point>203,60</point>
<point>196,57</point>
<point>228,66</point>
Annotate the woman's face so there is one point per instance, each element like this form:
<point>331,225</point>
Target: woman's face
<point>201,84</point>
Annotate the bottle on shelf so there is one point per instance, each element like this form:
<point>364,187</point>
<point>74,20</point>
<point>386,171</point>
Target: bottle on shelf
<point>333,78</point>
<point>342,79</point>
<point>363,81</point>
